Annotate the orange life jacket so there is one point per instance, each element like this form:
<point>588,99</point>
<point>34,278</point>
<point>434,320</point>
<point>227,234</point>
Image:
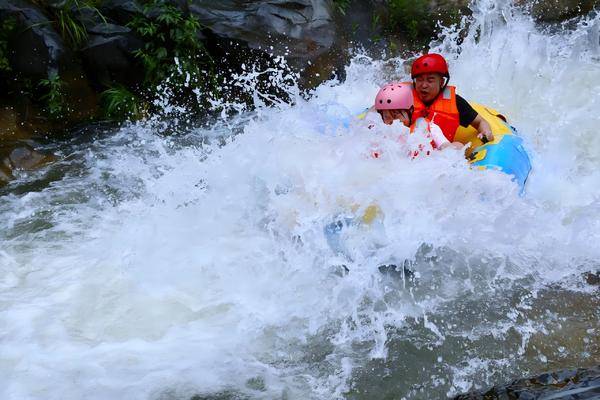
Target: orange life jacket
<point>443,111</point>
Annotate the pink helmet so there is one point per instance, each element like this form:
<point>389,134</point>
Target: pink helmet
<point>395,96</point>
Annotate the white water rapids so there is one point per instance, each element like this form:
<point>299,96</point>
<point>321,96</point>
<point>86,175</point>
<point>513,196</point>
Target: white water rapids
<point>163,267</point>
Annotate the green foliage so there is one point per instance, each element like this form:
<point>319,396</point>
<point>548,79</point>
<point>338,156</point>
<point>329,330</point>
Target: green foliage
<point>120,103</point>
<point>342,5</point>
<point>412,17</point>
<point>7,27</point>
<point>54,96</point>
<point>70,28</point>
<point>170,35</point>
<point>174,56</point>
<point>66,17</point>
<point>375,22</point>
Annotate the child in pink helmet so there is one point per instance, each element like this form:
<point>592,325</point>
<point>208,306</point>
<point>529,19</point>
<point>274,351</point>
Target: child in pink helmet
<point>395,102</point>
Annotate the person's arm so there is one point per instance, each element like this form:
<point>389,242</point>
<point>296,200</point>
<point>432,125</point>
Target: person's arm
<point>483,128</point>
<point>436,134</point>
<point>454,145</point>
<point>440,140</point>
<point>468,116</point>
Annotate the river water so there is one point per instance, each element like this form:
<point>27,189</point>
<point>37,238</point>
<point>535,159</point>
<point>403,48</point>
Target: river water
<point>152,266</point>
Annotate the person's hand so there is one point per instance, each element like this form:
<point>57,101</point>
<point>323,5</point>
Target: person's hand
<point>452,145</point>
<point>488,135</point>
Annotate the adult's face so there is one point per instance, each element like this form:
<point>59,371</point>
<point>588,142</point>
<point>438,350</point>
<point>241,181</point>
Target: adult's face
<point>428,86</point>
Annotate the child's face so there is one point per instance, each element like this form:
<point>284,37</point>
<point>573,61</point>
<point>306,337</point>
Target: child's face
<point>388,116</point>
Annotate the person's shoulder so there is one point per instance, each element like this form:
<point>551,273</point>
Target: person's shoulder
<point>461,99</point>
<point>465,111</point>
<point>462,103</point>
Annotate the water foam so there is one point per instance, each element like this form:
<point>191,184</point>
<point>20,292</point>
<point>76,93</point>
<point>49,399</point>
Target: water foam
<point>162,267</point>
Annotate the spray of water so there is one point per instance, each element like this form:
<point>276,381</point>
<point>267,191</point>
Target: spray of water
<point>155,267</point>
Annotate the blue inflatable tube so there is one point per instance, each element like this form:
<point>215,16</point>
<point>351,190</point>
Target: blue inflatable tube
<point>505,154</point>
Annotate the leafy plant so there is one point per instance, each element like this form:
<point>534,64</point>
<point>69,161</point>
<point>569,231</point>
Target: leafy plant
<point>342,5</point>
<point>173,52</point>
<point>7,27</point>
<point>66,15</point>
<point>54,97</point>
<point>120,103</point>
<point>70,28</point>
<point>412,17</point>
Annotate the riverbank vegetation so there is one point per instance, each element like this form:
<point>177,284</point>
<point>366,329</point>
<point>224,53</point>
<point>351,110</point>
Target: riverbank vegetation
<point>118,55</point>
<point>68,62</point>
<point>164,42</point>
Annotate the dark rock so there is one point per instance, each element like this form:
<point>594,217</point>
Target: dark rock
<point>11,128</point>
<point>26,158</point>
<point>120,11</point>
<point>592,278</point>
<point>372,25</point>
<point>108,30</point>
<point>89,17</point>
<point>557,10</point>
<point>356,24</point>
<point>57,4</point>
<point>108,55</point>
<point>582,383</point>
<point>37,49</point>
<point>17,155</point>
<point>303,29</point>
<point>81,99</point>
<point>448,12</point>
<point>37,52</point>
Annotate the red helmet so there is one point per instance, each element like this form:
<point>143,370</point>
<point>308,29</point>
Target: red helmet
<point>428,64</point>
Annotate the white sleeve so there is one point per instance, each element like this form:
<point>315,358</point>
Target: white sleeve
<point>437,135</point>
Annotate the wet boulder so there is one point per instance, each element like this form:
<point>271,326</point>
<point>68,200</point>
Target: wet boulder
<point>108,55</point>
<point>36,52</point>
<point>582,383</point>
<point>120,11</point>
<point>302,28</point>
<point>37,49</point>
<point>23,157</point>
<point>20,156</point>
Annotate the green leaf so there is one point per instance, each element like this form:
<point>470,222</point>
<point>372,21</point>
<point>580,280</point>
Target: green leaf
<point>120,103</point>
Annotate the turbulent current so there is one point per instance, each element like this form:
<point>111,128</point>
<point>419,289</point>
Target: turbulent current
<point>152,266</point>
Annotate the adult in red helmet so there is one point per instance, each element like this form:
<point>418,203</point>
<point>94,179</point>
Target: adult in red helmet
<point>438,103</point>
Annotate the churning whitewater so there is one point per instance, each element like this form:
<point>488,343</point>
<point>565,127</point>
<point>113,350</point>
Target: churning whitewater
<point>152,266</point>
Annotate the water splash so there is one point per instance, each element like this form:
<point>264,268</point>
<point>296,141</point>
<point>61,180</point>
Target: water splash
<point>162,267</point>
